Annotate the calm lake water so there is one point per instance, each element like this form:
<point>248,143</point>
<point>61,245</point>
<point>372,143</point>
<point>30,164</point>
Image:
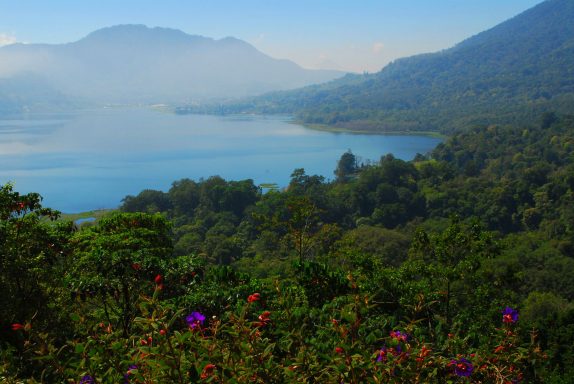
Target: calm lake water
<point>93,159</point>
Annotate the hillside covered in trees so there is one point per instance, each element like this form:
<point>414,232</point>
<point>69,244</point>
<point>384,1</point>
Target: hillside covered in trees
<point>452,267</point>
<point>508,74</point>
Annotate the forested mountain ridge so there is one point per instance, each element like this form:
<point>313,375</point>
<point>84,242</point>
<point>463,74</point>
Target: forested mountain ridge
<point>510,73</point>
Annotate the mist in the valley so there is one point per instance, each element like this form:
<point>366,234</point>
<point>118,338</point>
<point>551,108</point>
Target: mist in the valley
<point>134,64</point>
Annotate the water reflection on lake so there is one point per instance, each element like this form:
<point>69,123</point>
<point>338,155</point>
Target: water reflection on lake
<point>91,160</point>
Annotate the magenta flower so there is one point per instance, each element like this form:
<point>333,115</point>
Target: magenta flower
<point>195,320</point>
<point>509,315</point>
<point>462,367</point>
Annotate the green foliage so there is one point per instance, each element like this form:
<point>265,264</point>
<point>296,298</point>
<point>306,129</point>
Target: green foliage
<point>147,201</point>
<point>311,283</point>
<point>32,253</point>
<point>346,167</point>
<point>389,247</point>
<point>112,262</point>
<point>278,338</point>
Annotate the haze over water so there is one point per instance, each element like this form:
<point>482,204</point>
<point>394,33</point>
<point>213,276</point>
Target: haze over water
<point>92,159</point>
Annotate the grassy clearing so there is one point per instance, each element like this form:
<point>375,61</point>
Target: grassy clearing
<point>97,214</point>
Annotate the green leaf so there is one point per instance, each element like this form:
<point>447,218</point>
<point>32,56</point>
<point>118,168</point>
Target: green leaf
<point>79,348</point>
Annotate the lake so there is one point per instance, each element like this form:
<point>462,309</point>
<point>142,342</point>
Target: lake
<point>92,159</point>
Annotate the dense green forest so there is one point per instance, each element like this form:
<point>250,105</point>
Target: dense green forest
<point>506,75</point>
<point>453,267</point>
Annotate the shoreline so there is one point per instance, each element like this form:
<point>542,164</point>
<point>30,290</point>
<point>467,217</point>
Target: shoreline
<point>333,129</point>
<point>330,128</point>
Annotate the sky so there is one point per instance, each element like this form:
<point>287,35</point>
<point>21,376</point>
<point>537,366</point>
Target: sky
<point>350,35</point>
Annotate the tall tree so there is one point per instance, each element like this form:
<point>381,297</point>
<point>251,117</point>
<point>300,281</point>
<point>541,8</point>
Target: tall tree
<point>346,167</point>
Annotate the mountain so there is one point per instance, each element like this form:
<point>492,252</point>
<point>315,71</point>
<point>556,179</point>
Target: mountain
<point>508,74</point>
<point>137,64</point>
<point>27,92</point>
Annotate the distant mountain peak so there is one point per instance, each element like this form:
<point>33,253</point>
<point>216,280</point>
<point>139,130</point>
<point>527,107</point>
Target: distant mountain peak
<point>140,32</point>
<point>231,39</point>
<point>134,63</point>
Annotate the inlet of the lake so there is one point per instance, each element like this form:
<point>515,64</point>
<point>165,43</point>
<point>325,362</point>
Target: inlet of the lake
<point>92,159</point>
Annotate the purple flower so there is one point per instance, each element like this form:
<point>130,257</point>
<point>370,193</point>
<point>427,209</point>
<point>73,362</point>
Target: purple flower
<point>462,367</point>
<point>131,368</point>
<point>87,379</point>
<point>195,320</point>
<point>382,355</point>
<point>399,336</point>
<point>509,315</point>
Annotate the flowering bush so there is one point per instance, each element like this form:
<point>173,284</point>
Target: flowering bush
<point>140,316</point>
<point>244,345</point>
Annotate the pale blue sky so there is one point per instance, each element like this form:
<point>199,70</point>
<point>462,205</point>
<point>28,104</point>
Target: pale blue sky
<point>354,35</point>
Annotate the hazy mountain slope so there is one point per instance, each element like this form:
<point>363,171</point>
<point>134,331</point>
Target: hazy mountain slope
<point>278,102</point>
<point>27,92</point>
<point>509,73</point>
<point>133,63</point>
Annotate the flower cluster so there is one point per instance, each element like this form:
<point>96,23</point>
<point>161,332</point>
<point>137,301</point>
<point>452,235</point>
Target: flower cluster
<point>462,367</point>
<point>195,320</point>
<point>382,355</point>
<point>509,315</point>
<point>393,351</point>
<point>423,354</point>
<point>399,336</point>
<point>401,356</point>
